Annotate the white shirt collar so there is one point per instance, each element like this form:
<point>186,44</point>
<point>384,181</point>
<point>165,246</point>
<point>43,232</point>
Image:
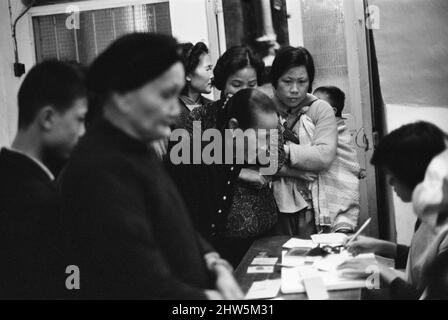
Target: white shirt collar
<point>191,107</point>
<point>40,164</point>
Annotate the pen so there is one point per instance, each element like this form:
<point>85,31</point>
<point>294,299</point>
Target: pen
<point>358,232</point>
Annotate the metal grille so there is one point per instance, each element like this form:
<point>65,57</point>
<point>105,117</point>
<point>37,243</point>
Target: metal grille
<point>97,29</point>
<point>324,36</point>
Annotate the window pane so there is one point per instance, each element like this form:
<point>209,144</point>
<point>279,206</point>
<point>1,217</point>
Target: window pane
<point>53,40</point>
<point>324,36</point>
<point>97,29</point>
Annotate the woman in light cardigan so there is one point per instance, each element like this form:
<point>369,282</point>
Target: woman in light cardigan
<point>292,75</point>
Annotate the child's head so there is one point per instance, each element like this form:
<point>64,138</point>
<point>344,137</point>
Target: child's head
<point>334,96</point>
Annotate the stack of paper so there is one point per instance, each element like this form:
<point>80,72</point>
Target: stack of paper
<point>299,243</point>
<point>332,239</point>
<point>292,282</point>
<point>333,261</point>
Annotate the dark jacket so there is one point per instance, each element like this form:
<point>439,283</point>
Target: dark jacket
<point>208,189</point>
<point>185,112</point>
<point>126,227</point>
<point>29,225</point>
<point>438,278</point>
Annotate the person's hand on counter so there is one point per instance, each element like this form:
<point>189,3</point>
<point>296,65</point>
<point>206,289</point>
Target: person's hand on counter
<point>226,284</point>
<point>363,244</point>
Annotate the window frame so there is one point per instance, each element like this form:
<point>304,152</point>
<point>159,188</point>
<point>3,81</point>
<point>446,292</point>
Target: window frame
<point>52,9</point>
<point>61,8</point>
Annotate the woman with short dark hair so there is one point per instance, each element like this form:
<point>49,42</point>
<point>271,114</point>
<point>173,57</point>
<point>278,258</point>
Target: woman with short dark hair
<point>289,58</point>
<point>237,64</point>
<point>292,76</point>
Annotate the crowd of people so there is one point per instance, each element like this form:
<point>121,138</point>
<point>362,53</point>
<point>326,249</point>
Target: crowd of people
<point>115,207</point>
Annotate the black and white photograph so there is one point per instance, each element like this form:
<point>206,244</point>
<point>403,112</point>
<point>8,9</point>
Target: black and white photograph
<point>244,150</point>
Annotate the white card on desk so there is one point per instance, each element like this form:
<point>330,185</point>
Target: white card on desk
<point>332,239</point>
<point>264,261</point>
<point>260,269</point>
<point>313,283</point>
<point>264,289</point>
<point>299,243</point>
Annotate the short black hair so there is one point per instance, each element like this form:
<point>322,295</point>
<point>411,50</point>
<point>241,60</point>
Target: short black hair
<point>233,60</point>
<point>191,56</point>
<point>336,96</point>
<point>289,57</point>
<point>245,105</point>
<point>129,63</point>
<point>49,83</point>
<point>407,151</point>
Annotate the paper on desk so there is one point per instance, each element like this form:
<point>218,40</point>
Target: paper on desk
<point>313,283</point>
<point>292,282</point>
<point>264,261</point>
<point>332,239</point>
<point>299,243</point>
<point>264,289</point>
<point>295,261</point>
<point>333,261</point>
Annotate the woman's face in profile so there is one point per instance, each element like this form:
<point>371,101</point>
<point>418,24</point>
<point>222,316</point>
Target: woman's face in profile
<point>241,79</point>
<point>153,108</point>
<point>201,79</point>
<point>292,86</point>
